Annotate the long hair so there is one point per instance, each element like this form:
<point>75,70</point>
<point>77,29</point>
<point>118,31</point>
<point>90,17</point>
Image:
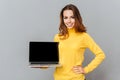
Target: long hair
<point>79,27</point>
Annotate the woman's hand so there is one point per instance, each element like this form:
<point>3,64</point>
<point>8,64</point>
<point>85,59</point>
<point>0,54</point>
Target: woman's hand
<point>78,69</point>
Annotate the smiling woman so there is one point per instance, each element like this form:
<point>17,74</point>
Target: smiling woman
<point>73,41</point>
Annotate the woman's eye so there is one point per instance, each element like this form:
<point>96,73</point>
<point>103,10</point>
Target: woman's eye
<point>65,17</point>
<point>73,17</point>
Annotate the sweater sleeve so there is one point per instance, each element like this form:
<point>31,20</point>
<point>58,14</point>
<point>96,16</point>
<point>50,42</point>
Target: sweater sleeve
<point>96,50</point>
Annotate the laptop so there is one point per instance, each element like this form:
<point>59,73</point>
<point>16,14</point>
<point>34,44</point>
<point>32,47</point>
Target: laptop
<point>43,54</point>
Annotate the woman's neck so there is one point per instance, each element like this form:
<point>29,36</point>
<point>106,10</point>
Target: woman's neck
<point>71,30</point>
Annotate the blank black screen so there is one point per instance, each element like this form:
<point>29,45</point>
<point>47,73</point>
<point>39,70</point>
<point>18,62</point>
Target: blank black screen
<point>43,52</point>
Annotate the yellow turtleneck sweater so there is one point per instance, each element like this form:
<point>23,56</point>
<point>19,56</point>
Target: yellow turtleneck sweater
<point>71,51</point>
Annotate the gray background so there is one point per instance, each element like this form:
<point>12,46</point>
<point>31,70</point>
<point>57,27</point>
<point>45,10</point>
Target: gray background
<point>22,21</point>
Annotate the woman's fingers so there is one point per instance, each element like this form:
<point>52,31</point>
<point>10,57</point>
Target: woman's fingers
<point>78,69</point>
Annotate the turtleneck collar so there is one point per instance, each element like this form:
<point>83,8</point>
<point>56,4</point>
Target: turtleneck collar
<point>71,30</point>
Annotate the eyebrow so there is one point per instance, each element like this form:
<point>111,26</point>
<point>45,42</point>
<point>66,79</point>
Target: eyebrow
<point>70,16</point>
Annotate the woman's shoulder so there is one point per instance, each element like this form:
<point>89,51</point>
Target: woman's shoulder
<point>56,37</point>
<point>84,34</point>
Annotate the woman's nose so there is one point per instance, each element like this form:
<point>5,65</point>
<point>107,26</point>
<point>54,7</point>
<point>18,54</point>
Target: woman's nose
<point>69,20</point>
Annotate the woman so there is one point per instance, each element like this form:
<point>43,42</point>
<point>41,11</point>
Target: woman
<point>73,40</point>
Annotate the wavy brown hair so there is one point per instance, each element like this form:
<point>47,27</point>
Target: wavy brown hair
<point>79,27</point>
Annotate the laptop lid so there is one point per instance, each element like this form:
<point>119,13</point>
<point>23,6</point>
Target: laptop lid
<point>43,53</point>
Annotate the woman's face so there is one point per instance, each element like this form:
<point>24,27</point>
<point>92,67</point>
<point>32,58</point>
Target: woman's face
<point>68,18</point>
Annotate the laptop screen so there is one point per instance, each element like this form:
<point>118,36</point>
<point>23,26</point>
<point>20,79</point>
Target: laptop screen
<point>43,52</point>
